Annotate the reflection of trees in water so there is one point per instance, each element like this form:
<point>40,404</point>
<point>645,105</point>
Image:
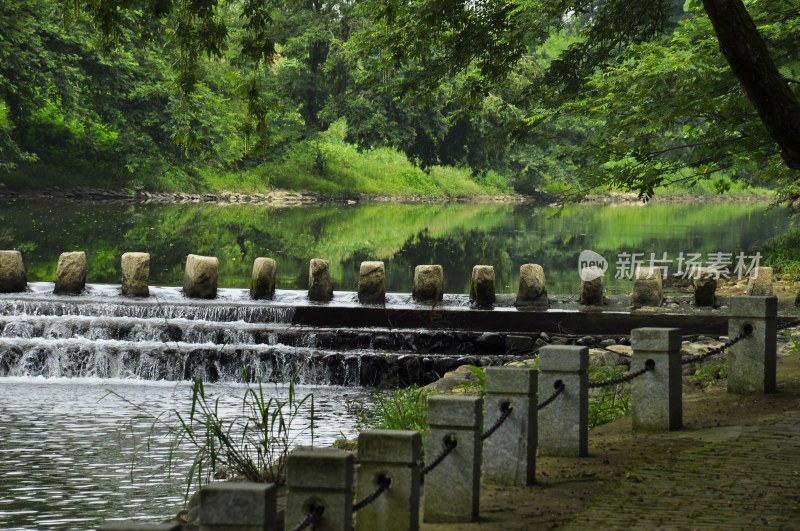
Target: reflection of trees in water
<point>456,236</point>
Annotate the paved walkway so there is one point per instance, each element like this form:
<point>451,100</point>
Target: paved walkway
<point>750,480</point>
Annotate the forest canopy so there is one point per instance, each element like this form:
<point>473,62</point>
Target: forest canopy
<point>529,95</point>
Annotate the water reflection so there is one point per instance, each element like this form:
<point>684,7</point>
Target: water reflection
<point>457,236</point>
<point>72,455</point>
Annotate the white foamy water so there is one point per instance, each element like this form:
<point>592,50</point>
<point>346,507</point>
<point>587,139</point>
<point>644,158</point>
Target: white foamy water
<point>75,453</point>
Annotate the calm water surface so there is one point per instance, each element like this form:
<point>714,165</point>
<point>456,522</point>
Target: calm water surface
<point>74,455</point>
<point>457,236</point>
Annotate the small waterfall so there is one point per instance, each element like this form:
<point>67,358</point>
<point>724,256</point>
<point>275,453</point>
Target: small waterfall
<point>167,337</point>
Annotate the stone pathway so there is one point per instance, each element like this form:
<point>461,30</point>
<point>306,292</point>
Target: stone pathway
<point>747,478</point>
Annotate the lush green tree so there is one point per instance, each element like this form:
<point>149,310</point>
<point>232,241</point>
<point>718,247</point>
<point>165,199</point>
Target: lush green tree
<point>603,82</point>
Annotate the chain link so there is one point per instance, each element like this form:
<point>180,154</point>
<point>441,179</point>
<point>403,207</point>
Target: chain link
<point>718,350</point>
<point>558,391</point>
<point>506,408</point>
<point>622,379</point>
<point>383,485</point>
<point>312,517</point>
<point>790,324</point>
<point>449,444</point>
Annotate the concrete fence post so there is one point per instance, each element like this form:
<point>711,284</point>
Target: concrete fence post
<point>394,454</point>
<point>656,395</point>
<point>452,489</point>
<point>320,477</point>
<point>509,454</point>
<point>751,361</point>
<point>232,506</point>
<point>564,424</point>
<point>140,526</point>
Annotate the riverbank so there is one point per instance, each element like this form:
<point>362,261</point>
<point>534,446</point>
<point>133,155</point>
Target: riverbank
<point>288,198</point>
<point>276,198</point>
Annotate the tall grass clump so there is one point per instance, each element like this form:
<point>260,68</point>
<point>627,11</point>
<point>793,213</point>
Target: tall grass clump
<point>608,403</point>
<point>253,445</point>
<point>405,408</point>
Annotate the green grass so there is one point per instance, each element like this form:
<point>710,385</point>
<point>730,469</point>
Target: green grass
<point>338,168</point>
<point>405,408</point>
<point>783,253</point>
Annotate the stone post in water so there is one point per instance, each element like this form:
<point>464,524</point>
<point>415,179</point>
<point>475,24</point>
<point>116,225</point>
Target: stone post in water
<point>509,454</point>
<point>592,286</point>
<point>647,290</point>
<point>564,424</point>
<point>481,291</point>
<point>752,361</point>
<point>372,283</point>
<point>320,478</point>
<point>656,399</point>
<point>239,506</point>
<point>262,285</point>
<point>201,276</point>
<point>71,273</point>
<point>320,287</point>
<point>12,272</point>
<point>760,282</point>
<point>394,454</point>
<point>428,283</point>
<point>705,287</point>
<point>532,291</point>
<point>136,274</point>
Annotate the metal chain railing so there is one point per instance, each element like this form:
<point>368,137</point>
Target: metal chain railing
<point>746,331</point>
<point>790,324</point>
<point>648,366</point>
<point>383,485</point>
<point>313,516</point>
<point>558,391</point>
<point>449,444</point>
<point>506,408</point>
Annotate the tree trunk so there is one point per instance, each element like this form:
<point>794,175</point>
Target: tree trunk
<point>747,54</point>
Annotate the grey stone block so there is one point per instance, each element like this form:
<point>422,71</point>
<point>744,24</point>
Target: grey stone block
<point>13,278</point>
<point>71,273</point>
<point>509,454</point>
<point>262,284</point>
<point>563,358</point>
<point>201,276</point>
<point>452,489</point>
<point>320,287</point>
<point>428,283</point>
<point>482,291</point>
<point>238,506</point>
<point>454,411</point>
<point>139,526</point>
<point>563,428</point>
<point>656,339</point>
<point>510,381</point>
<point>752,306</point>
<point>532,287</point>
<point>656,396</point>
<point>372,283</point>
<point>320,477</point>
<point>135,274</point>
<point>389,446</point>
<point>395,454</point>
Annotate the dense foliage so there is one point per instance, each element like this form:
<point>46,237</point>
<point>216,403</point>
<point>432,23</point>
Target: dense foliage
<point>531,95</point>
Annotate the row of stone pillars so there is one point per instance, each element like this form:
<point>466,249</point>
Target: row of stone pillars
<point>325,478</point>
<point>201,276</point>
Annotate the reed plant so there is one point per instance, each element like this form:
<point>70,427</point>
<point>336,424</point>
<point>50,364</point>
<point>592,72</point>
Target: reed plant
<point>252,446</point>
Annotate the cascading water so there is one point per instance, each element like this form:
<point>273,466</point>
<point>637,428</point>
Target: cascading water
<point>168,337</point>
